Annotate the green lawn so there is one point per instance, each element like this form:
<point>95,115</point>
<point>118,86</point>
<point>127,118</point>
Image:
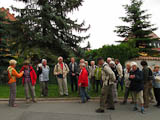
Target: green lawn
<point>53,92</point>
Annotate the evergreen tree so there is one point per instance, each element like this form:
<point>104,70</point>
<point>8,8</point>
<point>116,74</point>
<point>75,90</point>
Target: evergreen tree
<point>44,26</point>
<point>138,28</point>
<point>5,54</point>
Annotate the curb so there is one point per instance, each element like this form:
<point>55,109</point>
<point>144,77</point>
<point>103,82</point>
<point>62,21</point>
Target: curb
<point>57,99</point>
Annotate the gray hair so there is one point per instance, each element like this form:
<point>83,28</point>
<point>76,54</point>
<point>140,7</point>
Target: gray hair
<point>44,60</point>
<point>82,64</point>
<point>12,62</point>
<point>60,58</point>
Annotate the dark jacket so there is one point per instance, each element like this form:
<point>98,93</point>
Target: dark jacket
<point>145,72</point>
<point>137,83</point>
<point>75,68</point>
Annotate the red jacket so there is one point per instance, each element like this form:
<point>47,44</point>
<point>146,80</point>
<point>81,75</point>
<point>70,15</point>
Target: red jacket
<point>32,75</point>
<point>83,78</point>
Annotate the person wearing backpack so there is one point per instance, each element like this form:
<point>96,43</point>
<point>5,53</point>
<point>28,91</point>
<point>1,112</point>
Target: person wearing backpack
<point>29,80</point>
<point>108,78</point>
<point>147,78</point>
<point>12,75</point>
<point>60,71</point>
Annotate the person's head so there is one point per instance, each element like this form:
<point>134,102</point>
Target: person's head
<point>72,59</point>
<point>13,63</point>
<point>144,63</point>
<point>92,63</point>
<point>60,59</point>
<point>86,63</point>
<point>100,61</point>
<point>44,62</point>
<point>156,68</point>
<point>109,60</point>
<point>26,64</point>
<point>82,61</point>
<point>116,61</point>
<point>134,66</point>
<point>112,64</point>
<point>82,65</point>
<point>128,66</point>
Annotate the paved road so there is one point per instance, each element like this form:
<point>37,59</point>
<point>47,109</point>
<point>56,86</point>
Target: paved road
<point>72,111</point>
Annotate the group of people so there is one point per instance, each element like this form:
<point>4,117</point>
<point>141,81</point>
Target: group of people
<point>105,75</point>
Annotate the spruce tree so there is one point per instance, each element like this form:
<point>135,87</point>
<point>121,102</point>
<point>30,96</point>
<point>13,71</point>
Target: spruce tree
<point>44,26</point>
<point>5,54</point>
<point>138,29</point>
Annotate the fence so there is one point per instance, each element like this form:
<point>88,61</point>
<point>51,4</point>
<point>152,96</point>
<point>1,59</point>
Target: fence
<point>4,75</point>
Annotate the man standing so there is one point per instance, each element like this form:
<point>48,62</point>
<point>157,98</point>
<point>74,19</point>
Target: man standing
<point>61,70</point>
<point>108,78</point>
<point>147,82</point>
<point>120,73</point>
<point>73,74</point>
<point>91,74</point>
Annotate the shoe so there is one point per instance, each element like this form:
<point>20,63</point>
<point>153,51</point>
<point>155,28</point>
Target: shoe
<point>82,102</point>
<point>15,105</point>
<point>66,95</point>
<point>146,106</point>
<point>123,103</point>
<point>132,102</point>
<point>88,99</point>
<point>142,111</point>
<point>135,109</point>
<point>34,101</point>
<point>112,108</point>
<point>99,110</point>
<point>28,101</point>
<point>115,102</point>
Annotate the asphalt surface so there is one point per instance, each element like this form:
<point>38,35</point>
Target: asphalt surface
<point>73,110</point>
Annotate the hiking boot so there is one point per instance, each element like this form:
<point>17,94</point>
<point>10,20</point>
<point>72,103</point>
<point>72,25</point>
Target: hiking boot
<point>99,110</point>
<point>135,109</point>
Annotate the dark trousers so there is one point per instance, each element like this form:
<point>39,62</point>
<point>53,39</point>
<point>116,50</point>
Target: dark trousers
<point>84,95</point>
<point>44,88</point>
<point>120,82</point>
<point>98,83</point>
<point>92,80</point>
<point>12,94</point>
<point>74,83</point>
<point>157,95</point>
<point>126,94</point>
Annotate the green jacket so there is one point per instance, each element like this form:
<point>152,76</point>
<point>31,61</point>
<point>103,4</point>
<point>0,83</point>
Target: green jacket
<point>98,74</point>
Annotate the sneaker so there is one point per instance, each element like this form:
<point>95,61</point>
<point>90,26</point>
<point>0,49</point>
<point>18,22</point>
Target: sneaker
<point>28,101</point>
<point>111,108</point>
<point>142,111</point>
<point>123,103</point>
<point>135,109</point>
<point>99,110</point>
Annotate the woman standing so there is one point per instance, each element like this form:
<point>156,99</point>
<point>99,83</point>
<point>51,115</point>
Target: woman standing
<point>12,75</point>
<point>156,85</point>
<point>29,81</point>
<point>83,83</point>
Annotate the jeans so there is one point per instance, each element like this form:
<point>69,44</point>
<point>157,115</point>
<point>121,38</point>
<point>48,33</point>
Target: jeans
<point>83,94</point>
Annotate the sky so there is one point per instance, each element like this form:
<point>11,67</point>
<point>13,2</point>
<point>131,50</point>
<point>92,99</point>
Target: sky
<point>103,16</point>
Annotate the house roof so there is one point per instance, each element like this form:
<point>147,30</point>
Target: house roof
<point>147,58</point>
<point>152,35</point>
<point>9,16</point>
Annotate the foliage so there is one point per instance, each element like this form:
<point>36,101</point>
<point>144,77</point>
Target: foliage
<point>123,52</point>
<point>138,27</point>
<point>43,29</point>
<point>5,53</point>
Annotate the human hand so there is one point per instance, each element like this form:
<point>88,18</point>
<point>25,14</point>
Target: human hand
<point>79,84</point>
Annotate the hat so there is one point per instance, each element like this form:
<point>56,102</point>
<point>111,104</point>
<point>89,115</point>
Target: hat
<point>26,62</point>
